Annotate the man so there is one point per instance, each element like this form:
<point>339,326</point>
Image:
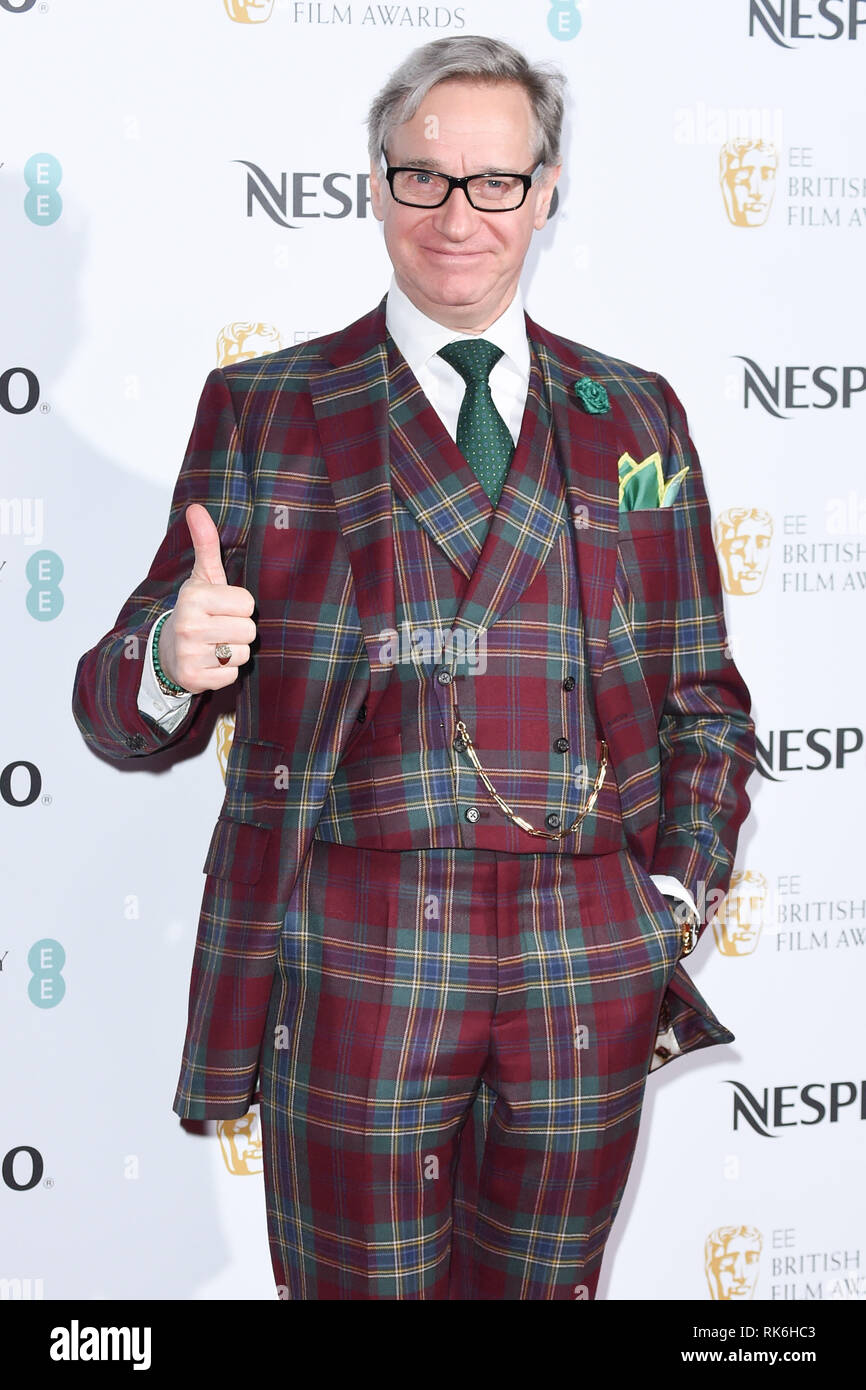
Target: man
<point>435,924</point>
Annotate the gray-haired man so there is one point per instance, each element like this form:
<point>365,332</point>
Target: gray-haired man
<point>486,722</point>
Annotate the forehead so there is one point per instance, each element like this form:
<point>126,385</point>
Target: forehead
<point>471,122</point>
<point>742,1245</point>
<point>745,890</point>
<point>755,157</point>
<point>751,526</point>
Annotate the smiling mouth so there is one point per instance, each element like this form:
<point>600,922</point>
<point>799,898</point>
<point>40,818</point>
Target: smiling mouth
<point>454,255</point>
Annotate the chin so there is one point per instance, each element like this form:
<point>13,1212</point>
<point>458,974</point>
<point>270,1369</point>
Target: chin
<point>454,287</point>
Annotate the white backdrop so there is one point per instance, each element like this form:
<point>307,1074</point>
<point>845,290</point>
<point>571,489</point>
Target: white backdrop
<point>138,251</point>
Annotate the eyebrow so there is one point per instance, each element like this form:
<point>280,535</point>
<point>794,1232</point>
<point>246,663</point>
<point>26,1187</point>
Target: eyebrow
<point>437,169</point>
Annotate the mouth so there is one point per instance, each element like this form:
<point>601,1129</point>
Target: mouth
<point>454,255</point>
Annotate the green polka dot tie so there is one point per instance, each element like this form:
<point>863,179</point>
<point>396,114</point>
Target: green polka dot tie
<point>483,437</point>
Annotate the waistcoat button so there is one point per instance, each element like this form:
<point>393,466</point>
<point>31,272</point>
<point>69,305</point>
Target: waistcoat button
<point>568,683</point>
<point>552,821</point>
<point>444,678</point>
<point>471,813</point>
<point>362,714</point>
<point>561,745</point>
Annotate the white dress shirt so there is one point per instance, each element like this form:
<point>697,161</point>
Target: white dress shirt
<point>419,339</point>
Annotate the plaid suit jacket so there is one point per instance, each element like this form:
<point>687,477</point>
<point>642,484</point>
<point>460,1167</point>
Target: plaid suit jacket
<point>289,453</point>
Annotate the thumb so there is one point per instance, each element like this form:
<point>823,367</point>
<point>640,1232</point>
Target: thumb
<point>206,543</point>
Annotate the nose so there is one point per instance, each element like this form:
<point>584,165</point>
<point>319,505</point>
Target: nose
<point>456,219</point>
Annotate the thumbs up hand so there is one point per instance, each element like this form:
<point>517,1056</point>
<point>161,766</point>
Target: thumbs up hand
<point>208,611</point>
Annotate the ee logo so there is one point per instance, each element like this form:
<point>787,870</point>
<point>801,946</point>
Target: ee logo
<point>46,959</point>
<point>43,204</point>
<point>564,19</point>
<point>45,596</point>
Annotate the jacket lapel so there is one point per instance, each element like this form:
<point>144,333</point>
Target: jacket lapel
<point>588,453</point>
<point>350,403</point>
<point>429,473</point>
<point>530,514</point>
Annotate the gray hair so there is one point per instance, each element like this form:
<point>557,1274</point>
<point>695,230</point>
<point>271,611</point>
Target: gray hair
<point>475,58</point>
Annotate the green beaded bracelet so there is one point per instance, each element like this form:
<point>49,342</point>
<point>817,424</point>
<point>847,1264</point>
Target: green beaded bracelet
<point>166,685</point>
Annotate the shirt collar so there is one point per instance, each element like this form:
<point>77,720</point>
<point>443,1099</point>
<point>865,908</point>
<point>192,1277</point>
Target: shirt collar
<point>419,337</point>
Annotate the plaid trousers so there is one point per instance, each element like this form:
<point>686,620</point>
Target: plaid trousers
<point>453,1069</point>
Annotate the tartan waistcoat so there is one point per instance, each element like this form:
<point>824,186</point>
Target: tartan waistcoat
<point>488,615</point>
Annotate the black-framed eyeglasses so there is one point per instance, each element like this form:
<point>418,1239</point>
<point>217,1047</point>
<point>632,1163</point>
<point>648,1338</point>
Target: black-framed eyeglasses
<point>427,188</point>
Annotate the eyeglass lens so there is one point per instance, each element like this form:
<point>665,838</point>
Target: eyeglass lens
<point>425,189</point>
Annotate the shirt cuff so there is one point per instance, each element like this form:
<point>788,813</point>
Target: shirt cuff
<point>165,710</point>
<point>672,888</point>
<point>666,1047</point>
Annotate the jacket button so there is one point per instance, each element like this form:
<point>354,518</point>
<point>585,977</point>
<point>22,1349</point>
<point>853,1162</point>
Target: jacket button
<point>362,714</point>
<point>471,813</point>
<point>568,683</point>
<point>552,821</point>
<point>663,1052</point>
<point>444,678</point>
<point>561,745</point>
<point>459,743</point>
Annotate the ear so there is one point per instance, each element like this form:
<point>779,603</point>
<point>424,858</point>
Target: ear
<point>547,183</point>
<point>377,191</point>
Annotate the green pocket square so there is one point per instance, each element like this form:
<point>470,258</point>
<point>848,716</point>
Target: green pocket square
<point>643,484</point>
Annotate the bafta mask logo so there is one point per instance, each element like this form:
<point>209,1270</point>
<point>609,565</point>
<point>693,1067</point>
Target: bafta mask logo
<point>732,1256</point>
<point>239,342</point>
<point>224,734</point>
<point>241,1144</point>
<point>249,11</point>
<point>737,924</point>
<point>747,174</point>
<point>743,536</point>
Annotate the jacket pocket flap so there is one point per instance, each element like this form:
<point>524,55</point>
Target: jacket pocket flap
<point>256,780</point>
<point>237,850</point>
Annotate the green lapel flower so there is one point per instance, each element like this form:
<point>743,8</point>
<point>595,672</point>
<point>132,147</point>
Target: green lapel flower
<point>592,396</point>
<point>643,484</point>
